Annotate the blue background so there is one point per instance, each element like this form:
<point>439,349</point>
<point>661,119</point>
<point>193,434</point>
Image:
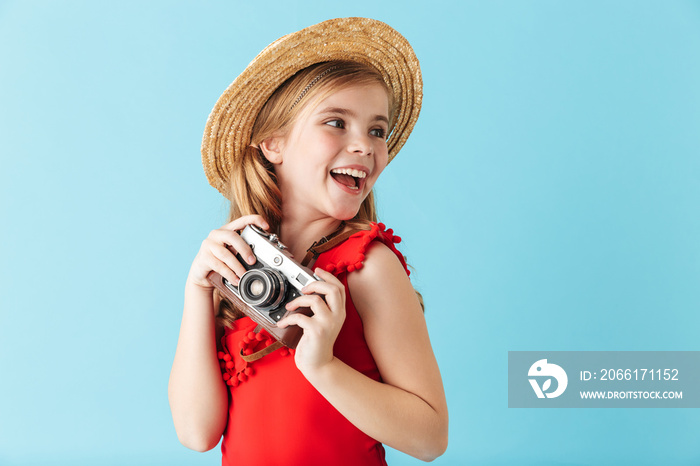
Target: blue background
<point>548,200</point>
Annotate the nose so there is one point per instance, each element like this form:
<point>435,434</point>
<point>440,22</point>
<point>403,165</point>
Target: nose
<point>360,144</point>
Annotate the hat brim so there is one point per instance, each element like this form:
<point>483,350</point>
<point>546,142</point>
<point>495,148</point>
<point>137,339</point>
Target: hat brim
<point>230,124</point>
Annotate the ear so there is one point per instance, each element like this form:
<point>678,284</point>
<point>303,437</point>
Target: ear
<point>272,149</point>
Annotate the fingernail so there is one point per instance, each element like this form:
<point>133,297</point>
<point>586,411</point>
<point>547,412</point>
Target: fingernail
<point>265,226</point>
<point>251,260</point>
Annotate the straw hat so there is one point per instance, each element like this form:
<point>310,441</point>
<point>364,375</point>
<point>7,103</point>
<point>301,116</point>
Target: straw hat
<point>229,127</point>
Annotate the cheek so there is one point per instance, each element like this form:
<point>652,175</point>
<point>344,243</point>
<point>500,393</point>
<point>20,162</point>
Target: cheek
<point>325,143</point>
<point>322,152</point>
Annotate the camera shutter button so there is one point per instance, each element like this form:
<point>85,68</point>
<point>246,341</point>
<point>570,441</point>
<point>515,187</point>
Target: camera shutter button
<point>275,239</point>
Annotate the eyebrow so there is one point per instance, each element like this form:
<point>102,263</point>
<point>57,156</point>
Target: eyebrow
<point>350,113</point>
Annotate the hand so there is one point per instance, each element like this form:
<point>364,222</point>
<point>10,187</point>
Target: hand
<point>218,253</point>
<point>327,301</point>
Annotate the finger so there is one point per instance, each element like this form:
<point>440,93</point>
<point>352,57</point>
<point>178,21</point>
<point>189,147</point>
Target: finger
<point>233,239</point>
<point>299,319</point>
<point>242,222</point>
<point>225,255</point>
<point>222,269</point>
<point>334,294</point>
<point>313,301</point>
<point>327,276</point>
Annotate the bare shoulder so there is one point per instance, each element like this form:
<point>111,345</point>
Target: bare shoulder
<point>391,313</point>
<point>381,276</point>
<point>394,326</point>
<point>381,288</point>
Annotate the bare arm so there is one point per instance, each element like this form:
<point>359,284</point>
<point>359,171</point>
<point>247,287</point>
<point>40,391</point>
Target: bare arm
<point>408,410</point>
<point>196,391</point>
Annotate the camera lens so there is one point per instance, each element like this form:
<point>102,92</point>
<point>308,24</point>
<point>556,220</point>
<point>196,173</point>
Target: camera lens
<point>262,288</point>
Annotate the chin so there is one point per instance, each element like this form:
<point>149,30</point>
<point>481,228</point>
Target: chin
<point>345,214</point>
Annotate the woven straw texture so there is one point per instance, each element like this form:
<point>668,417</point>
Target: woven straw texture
<point>372,42</point>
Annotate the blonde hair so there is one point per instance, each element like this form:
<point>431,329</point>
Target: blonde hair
<point>254,188</point>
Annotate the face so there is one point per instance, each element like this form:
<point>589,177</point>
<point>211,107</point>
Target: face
<point>333,154</point>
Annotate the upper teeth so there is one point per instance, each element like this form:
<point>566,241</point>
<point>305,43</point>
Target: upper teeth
<point>349,171</point>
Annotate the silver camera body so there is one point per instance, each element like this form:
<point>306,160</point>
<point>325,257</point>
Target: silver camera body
<point>274,280</point>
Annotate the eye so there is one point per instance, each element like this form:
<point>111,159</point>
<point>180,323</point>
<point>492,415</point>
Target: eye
<point>336,123</point>
<point>378,132</point>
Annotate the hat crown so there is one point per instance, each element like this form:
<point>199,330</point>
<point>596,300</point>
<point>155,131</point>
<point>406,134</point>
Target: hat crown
<point>229,127</point>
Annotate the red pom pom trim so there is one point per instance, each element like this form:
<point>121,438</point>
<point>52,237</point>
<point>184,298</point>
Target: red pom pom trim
<point>378,232</point>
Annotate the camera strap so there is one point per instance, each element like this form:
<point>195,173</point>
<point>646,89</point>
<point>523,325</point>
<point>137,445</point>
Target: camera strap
<point>263,352</point>
<point>312,254</point>
<point>325,244</point>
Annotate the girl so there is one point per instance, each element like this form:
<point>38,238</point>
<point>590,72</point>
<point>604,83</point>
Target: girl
<point>296,144</point>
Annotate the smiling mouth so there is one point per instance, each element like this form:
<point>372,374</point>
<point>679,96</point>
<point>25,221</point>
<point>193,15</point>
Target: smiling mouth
<point>350,178</point>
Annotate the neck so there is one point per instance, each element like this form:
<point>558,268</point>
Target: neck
<point>299,234</point>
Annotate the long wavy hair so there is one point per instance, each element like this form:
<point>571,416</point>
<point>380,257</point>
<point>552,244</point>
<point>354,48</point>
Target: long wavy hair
<point>254,188</point>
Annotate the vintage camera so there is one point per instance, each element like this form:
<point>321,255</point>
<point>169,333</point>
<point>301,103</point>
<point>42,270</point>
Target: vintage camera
<point>268,285</point>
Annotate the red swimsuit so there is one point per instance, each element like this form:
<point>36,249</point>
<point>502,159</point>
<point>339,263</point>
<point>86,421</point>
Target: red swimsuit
<point>276,417</point>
